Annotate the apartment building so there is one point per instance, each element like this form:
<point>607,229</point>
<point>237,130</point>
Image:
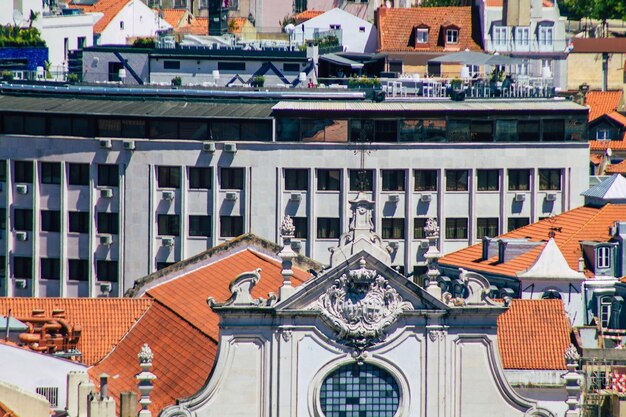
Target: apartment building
<point>103,186</point>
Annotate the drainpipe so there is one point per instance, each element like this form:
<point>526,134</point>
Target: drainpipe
<point>605,71</point>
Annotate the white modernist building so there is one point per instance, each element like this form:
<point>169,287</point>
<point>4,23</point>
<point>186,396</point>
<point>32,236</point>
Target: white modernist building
<point>99,192</point>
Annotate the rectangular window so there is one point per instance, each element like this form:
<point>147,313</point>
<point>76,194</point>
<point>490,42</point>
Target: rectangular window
<point>50,220</point>
<point>171,65</point>
<point>499,36</point>
<point>528,130</point>
<point>452,36</point>
<point>193,130</point>
<point>519,179</point>
<point>78,174</point>
<point>231,179</point>
<point>425,179</point>
<point>163,129</point>
<point>421,35</point>
<point>168,177</point>
<point>328,179</point>
<point>80,42</point>
<point>602,134</point>
<point>456,180</point>
<point>108,175</point>
<point>3,218</point>
<point>115,67</point>
<point>79,221</point>
<point>200,178</point>
<point>23,171</point>
<point>488,179</point>
<point>517,222</point>
<point>169,224</point>
<point>107,271</point>
<point>108,223</point>
<point>603,257</point>
<point>419,223</point>
<point>200,226</point>
<point>22,267</point>
<point>393,228</point>
<point>78,269</point>
<point>481,131</point>
<point>50,268</point>
<point>231,226</point>
<point>302,227</point>
<point>51,173</point>
<point>23,219</point>
<point>545,36</point>
<point>231,66</point>
<point>361,180</point>
<point>393,179</point>
<point>486,226</point>
<point>3,170</point>
<point>605,311</point>
<point>386,130</point>
<point>50,393</point>
<point>456,228</point>
<point>553,130</point>
<point>291,67</point>
<point>297,179</point>
<point>328,228</point>
<point>521,36</point>
<point>550,179</point>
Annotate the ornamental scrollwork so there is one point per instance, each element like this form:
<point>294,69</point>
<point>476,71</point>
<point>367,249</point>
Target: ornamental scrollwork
<point>361,306</point>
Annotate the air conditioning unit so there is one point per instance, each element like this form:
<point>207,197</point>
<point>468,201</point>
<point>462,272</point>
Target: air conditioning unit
<point>393,245</point>
<point>296,244</point>
<point>106,193</point>
<point>231,196</point>
<point>105,143</point>
<point>551,197</point>
<point>426,198</point>
<point>167,242</point>
<point>393,198</point>
<point>21,188</point>
<point>424,244</point>
<point>296,197</point>
<point>129,145</point>
<point>520,197</point>
<point>106,240</point>
<point>230,147</point>
<point>208,147</point>
<point>105,287</point>
<point>22,236</point>
<point>168,195</point>
<point>21,284</point>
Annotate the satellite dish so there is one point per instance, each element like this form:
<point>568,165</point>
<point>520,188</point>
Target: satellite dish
<point>18,17</point>
<point>290,28</point>
<point>609,152</point>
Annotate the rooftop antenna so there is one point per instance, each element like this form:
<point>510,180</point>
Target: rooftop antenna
<point>553,229</point>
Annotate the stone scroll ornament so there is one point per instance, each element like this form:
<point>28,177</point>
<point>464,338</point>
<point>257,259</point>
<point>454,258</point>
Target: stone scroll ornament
<point>360,306</point>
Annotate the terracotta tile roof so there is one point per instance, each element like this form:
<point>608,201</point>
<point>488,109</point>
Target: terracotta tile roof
<point>175,17</point>
<point>183,358</point>
<point>306,15</point>
<point>396,27</point>
<point>187,294</point>
<point>104,321</point>
<point>198,26</point>
<point>602,145</point>
<point>619,168</point>
<point>595,158</point>
<point>6,411</point>
<point>618,117</point>
<point>110,9</point>
<point>533,334</point>
<point>583,223</point>
<point>602,102</point>
<point>596,45</point>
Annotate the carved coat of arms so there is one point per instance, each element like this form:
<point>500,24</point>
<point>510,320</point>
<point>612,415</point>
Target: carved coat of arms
<point>360,306</point>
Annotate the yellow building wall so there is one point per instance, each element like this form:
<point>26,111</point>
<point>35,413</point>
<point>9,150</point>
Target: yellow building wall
<point>587,68</point>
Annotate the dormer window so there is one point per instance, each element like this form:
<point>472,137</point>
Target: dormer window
<point>499,36</point>
<point>603,257</point>
<point>602,134</point>
<point>452,36</point>
<point>421,35</point>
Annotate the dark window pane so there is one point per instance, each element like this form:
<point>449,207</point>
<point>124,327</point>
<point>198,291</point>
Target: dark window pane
<point>302,227</point>
<point>553,130</point>
<point>231,66</point>
<point>361,180</point>
<point>50,220</point>
<point>427,130</point>
<point>171,65</point>
<point>78,174</point>
<point>133,128</point>
<point>60,126</point>
<point>425,180</point>
<point>50,172</point>
<point>361,130</point>
<point>456,228</point>
<point>517,222</point>
<point>231,178</point>
<point>109,128</point>
<point>108,175</point>
<point>108,223</point>
<point>79,222</point>
<point>328,179</point>
<point>256,131</point>
<point>519,179</point>
<point>193,130</point>
<point>23,219</point>
<point>3,170</point>
<point>168,177</point>
<point>3,218</point>
<point>200,178</point>
<point>528,130</point>
<point>107,271</point>
<point>487,227</point>
<point>200,226</point>
<point>225,130</point>
<point>22,267</point>
<point>393,228</point>
<point>297,179</point>
<point>23,171</point>
<point>550,179</point>
<point>456,180</point>
<point>50,268</point>
<point>163,265</point>
<point>34,125</point>
<point>231,226</point>
<point>488,179</point>
<point>163,129</point>
<point>13,124</point>
<point>328,228</point>
<point>418,227</point>
<point>169,224</point>
<point>386,130</point>
<point>481,131</point>
<point>393,180</point>
<point>78,269</point>
<point>287,130</point>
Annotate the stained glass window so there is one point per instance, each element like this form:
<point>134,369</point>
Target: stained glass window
<point>359,391</point>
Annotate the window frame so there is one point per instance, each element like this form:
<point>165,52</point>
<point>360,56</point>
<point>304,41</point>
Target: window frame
<point>229,224</point>
<point>456,185</point>
<point>76,174</point>
<point>327,226</point>
<point>234,178</point>
<point>604,257</point>
<point>393,180</point>
<point>390,226</point>
<point>421,36</point>
<point>452,36</point>
<point>200,178</point>
<point>326,181</point>
<point>201,225</point>
<point>458,221</point>
<point>50,221</point>
<point>107,223</point>
<point>515,178</point>
<point>50,267</point>
<point>549,186</point>
<point>296,179</point>
<point>483,185</point>
<point>108,175</point>
<point>168,224</point>
<point>168,176</point>
<point>50,173</point>
<point>428,177</point>
<point>484,224</point>
<point>78,221</point>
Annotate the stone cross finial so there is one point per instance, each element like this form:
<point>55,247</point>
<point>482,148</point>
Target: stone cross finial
<point>145,379</point>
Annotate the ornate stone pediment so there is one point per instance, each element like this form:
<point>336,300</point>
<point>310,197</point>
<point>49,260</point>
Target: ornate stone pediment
<point>361,306</point>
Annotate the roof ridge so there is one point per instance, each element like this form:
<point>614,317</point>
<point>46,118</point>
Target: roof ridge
<point>592,218</point>
<point>156,300</point>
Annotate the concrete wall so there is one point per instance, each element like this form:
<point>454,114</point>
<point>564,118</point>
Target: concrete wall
<point>96,66</point>
<point>23,403</point>
<point>587,68</point>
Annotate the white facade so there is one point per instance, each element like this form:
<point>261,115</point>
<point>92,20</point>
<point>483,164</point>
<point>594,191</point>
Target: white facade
<point>30,370</point>
<point>357,35</point>
<point>9,7</point>
<point>135,20</point>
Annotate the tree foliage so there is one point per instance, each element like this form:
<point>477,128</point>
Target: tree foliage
<point>594,9</point>
<point>445,3</point>
<point>15,36</point>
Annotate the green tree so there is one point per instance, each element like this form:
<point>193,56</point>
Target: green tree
<point>445,3</point>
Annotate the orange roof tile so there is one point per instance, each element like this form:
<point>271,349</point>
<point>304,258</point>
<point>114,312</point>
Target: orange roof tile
<point>104,321</point>
<point>533,334</point>
<point>6,411</point>
<point>396,28</point>
<point>183,358</point>
<point>602,102</point>
<point>619,168</point>
<point>198,26</point>
<point>583,223</point>
<point>237,24</point>
<point>174,17</point>
<point>110,9</point>
<point>595,158</point>
<point>618,117</point>
<point>187,295</point>
<point>306,15</point>
<point>602,145</point>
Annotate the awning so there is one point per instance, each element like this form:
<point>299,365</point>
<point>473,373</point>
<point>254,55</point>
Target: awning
<point>339,60</point>
<point>477,58</point>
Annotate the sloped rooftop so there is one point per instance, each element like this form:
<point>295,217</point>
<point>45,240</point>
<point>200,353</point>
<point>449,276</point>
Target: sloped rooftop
<point>602,102</point>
